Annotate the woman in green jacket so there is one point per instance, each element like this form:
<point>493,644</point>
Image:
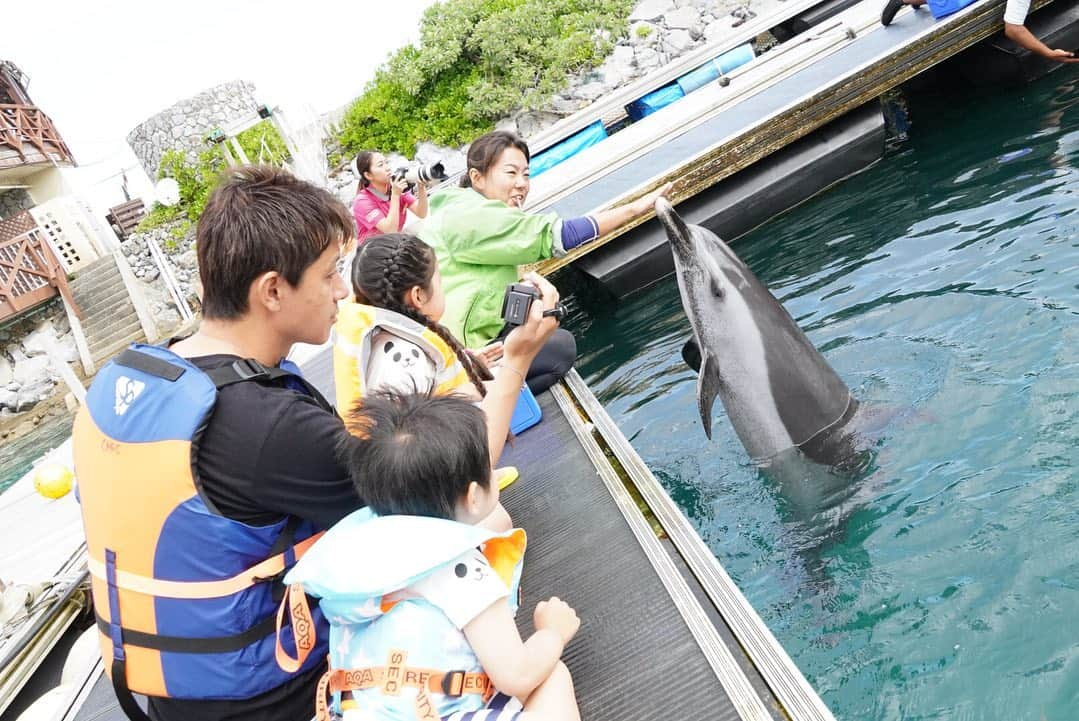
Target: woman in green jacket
<point>481,235</point>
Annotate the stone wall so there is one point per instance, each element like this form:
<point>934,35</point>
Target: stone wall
<point>13,201</point>
<point>176,241</point>
<point>186,124</point>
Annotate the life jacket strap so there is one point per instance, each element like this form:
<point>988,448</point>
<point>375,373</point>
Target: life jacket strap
<point>395,676</point>
<point>259,573</point>
<point>303,629</point>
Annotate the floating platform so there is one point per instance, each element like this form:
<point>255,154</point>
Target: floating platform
<point>733,145</point>
<point>665,633</point>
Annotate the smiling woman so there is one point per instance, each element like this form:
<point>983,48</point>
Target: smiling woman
<point>481,235</point>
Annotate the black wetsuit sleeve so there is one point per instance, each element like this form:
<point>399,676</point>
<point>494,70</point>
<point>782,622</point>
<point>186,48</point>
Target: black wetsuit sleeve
<point>297,466</point>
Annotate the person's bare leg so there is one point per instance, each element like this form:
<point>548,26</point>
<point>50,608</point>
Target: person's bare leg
<point>553,700</point>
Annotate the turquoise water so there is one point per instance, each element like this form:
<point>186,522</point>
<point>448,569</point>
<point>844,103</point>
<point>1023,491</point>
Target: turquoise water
<point>943,584</point>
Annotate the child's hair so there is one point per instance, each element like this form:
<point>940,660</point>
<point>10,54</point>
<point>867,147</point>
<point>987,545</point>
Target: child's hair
<point>363,164</point>
<point>386,268</point>
<point>416,453</point>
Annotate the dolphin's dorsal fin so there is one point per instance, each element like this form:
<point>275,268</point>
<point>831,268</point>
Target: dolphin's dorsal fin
<point>708,382</point>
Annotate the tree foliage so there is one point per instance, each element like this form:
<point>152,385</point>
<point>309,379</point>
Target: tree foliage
<point>261,143</point>
<point>476,61</point>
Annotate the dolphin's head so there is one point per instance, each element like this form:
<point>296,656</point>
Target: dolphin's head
<point>707,269</point>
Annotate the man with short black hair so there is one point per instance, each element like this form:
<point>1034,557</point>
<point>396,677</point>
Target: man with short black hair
<point>261,479</point>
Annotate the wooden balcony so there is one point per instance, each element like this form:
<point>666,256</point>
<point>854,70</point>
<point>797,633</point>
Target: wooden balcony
<point>29,272</point>
<point>28,137</point>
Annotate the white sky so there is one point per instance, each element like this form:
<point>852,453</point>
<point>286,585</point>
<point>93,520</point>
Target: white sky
<point>98,68</point>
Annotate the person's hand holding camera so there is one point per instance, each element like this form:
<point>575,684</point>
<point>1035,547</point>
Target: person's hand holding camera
<point>524,342</point>
<point>398,185</point>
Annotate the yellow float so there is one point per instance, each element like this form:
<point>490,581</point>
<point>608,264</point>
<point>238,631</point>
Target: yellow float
<point>53,480</point>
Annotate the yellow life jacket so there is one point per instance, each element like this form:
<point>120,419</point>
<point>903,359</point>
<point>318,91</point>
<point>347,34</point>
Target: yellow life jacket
<point>357,324</point>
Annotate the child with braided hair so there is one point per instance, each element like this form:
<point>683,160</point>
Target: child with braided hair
<point>389,337</point>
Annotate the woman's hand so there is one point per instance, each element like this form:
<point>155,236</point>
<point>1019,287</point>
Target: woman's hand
<point>398,186</point>
<point>645,204</point>
<point>524,341</point>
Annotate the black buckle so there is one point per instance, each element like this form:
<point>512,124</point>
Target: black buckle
<point>448,680</point>
<point>248,368</point>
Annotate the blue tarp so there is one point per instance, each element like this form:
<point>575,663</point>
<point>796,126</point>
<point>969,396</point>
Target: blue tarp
<point>643,107</point>
<point>728,61</point>
<point>944,8</point>
<point>569,147</point>
<point>711,70</point>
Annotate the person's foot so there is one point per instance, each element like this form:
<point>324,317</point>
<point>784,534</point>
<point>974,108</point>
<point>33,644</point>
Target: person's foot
<point>888,13</point>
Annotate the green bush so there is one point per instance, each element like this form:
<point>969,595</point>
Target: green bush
<point>261,143</point>
<point>478,60</point>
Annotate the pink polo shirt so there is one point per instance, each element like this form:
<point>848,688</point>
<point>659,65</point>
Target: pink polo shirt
<point>370,207</point>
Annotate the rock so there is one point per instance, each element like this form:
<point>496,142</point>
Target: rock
<point>683,18</point>
<point>8,399</point>
<point>678,41</point>
<point>563,105</point>
<point>696,32</point>
<point>31,371</point>
<point>651,10</point>
<point>591,91</point>
<point>622,54</point>
<point>715,29</point>
<point>647,58</point>
<point>7,373</point>
<point>535,122</point>
<point>37,343</point>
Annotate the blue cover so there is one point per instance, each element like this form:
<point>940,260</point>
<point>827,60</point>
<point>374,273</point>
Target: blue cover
<point>527,412</point>
<point>944,8</point>
<point>708,72</point>
<point>569,147</point>
<point>645,106</point>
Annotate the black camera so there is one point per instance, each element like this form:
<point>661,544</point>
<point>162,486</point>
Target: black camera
<point>419,174</point>
<point>518,301</point>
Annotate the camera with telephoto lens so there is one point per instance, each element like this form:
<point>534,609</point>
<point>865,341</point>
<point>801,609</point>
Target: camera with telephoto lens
<point>419,174</point>
<point>518,301</point>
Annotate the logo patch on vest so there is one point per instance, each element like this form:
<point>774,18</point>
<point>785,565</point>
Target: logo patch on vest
<point>127,390</point>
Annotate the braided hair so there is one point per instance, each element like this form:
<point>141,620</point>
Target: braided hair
<point>389,266</point>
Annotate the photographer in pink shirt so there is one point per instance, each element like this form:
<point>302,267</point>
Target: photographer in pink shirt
<point>380,202</point>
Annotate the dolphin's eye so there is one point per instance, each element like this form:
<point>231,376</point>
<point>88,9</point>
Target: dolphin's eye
<point>717,289</point>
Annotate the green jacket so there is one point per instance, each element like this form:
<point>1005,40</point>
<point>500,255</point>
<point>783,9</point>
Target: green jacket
<point>479,244</point>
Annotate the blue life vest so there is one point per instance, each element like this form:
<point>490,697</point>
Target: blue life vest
<point>185,598</point>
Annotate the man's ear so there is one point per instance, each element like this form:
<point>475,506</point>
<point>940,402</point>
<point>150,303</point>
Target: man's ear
<point>266,291</point>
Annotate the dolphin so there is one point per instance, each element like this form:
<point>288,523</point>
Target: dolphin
<point>778,390</point>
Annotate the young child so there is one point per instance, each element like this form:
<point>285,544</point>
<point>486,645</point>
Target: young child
<point>424,628</point>
<point>390,336</point>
